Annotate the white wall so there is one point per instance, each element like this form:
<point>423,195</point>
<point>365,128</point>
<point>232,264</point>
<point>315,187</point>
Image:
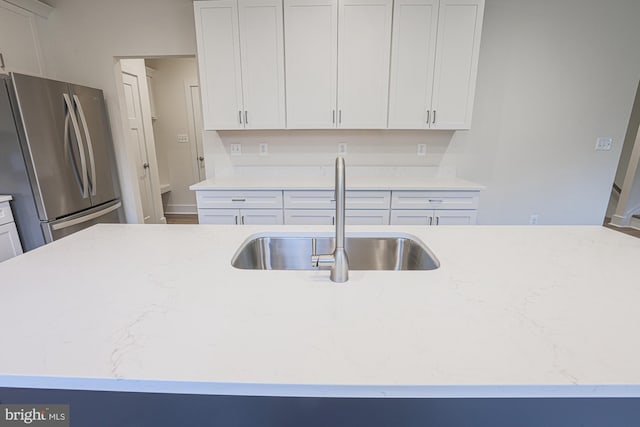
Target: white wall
<point>81,38</point>
<point>171,105</point>
<point>553,76</point>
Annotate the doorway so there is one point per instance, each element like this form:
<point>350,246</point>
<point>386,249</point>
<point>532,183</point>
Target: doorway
<point>164,131</point>
<point>178,129</point>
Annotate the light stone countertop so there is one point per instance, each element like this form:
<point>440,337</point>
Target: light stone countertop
<point>513,311</point>
<point>4,198</point>
<point>327,183</point>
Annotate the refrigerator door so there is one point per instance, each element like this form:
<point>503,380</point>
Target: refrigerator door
<point>91,112</point>
<point>107,213</point>
<point>56,161</point>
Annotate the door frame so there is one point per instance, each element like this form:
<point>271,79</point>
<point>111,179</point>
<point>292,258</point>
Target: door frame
<point>140,72</point>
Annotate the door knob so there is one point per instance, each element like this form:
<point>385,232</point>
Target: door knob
<point>145,165</point>
<point>201,158</point>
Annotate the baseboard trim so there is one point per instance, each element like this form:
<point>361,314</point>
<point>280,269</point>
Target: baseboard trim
<point>179,209</point>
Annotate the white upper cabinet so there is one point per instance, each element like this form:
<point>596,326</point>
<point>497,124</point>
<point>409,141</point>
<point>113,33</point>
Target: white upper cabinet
<point>19,42</point>
<point>311,46</point>
<point>337,63</point>
<point>241,63</point>
<point>434,63</point>
<point>364,43</point>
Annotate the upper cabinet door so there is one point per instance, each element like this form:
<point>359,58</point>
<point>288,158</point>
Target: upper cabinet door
<point>415,23</point>
<point>311,45</point>
<point>364,48</point>
<point>218,44</point>
<point>262,53</point>
<point>19,42</point>
<point>456,65</point>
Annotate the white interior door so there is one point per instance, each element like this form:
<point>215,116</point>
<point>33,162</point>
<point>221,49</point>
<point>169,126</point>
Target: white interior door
<point>137,138</point>
<point>194,112</point>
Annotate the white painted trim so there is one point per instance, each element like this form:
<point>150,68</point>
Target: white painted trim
<point>181,209</point>
<point>34,6</point>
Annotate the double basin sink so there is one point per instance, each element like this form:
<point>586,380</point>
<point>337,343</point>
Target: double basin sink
<point>293,251</point>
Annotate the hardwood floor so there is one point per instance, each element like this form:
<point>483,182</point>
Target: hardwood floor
<point>626,230</point>
<point>181,218</point>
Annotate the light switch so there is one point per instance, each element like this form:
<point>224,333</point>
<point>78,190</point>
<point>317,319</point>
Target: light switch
<point>182,138</point>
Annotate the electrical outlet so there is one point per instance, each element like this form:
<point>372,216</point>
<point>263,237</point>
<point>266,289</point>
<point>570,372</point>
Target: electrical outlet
<point>342,148</point>
<point>235,149</point>
<point>182,138</point>
<point>422,150</point>
<point>603,144</point>
<point>534,219</point>
<point>263,149</point>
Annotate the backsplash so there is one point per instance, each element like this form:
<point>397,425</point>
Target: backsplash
<point>312,153</point>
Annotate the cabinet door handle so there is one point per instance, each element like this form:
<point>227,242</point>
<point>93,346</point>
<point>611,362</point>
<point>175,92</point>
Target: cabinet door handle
<point>236,219</point>
<point>435,200</point>
<point>430,220</point>
<point>246,117</point>
<point>1,61</point>
<point>242,220</point>
<point>333,116</point>
<point>434,117</point>
<point>238,200</point>
<point>428,116</point>
<point>437,220</point>
<point>339,117</point>
<point>333,220</point>
<point>240,116</point>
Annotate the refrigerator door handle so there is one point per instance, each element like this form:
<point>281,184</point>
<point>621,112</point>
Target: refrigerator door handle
<point>76,129</point>
<point>86,218</point>
<point>68,154</point>
<point>87,137</point>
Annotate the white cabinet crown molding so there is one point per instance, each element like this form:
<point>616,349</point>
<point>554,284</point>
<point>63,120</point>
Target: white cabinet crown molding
<point>34,6</point>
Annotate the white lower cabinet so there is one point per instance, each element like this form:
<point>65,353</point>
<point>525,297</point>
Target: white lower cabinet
<point>317,207</point>
<point>240,216</point>
<point>9,241</point>
<point>433,217</point>
<point>328,217</point>
<point>239,207</point>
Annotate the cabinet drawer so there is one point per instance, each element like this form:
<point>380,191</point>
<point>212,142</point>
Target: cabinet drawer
<point>239,199</point>
<point>324,199</point>
<point>5,213</point>
<point>434,200</point>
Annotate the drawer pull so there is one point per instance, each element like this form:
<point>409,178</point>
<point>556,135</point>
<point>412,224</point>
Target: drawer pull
<point>238,200</point>
<point>435,200</point>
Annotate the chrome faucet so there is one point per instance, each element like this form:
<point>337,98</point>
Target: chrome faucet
<point>338,259</point>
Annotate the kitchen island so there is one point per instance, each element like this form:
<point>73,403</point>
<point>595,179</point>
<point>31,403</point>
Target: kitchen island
<point>512,312</point>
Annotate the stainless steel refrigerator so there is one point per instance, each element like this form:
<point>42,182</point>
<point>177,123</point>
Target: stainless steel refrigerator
<point>56,158</point>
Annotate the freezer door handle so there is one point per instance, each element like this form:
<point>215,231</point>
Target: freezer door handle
<point>69,151</point>
<point>76,129</point>
<point>76,221</point>
<point>87,137</point>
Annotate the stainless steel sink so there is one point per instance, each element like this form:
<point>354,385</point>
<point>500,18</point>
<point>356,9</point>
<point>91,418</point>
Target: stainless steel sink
<point>290,251</point>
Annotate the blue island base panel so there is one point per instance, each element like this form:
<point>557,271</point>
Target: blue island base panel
<point>118,409</point>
